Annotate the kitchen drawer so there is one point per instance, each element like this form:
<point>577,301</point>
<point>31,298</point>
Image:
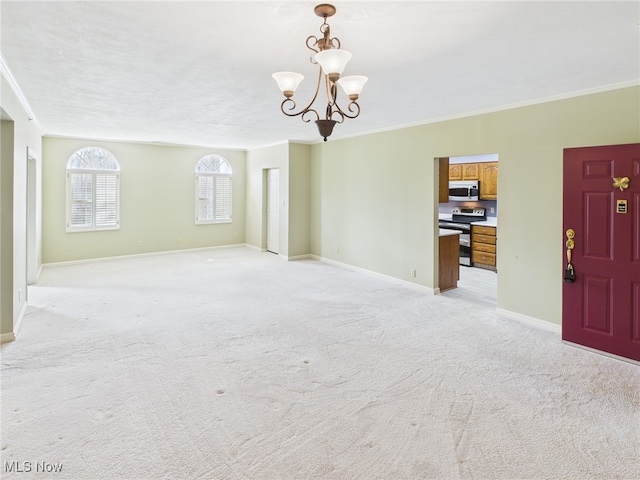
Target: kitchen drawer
<point>484,230</point>
<point>483,257</point>
<point>483,239</point>
<point>483,247</point>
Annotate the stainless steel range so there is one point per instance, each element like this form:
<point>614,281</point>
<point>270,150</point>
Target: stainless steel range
<point>461,219</point>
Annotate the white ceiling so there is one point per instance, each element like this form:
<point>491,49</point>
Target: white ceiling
<point>199,73</point>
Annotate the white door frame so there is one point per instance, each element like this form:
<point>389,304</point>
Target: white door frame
<point>31,220</point>
<point>273,210</point>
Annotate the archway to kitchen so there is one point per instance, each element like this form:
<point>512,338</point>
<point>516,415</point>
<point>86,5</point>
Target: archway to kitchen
<point>468,210</point>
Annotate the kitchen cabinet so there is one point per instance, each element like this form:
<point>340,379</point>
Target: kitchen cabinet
<point>455,172</point>
<point>443,175</point>
<point>464,171</point>
<point>448,259</point>
<point>488,177</point>
<point>484,241</point>
<point>470,171</point>
<point>486,172</point>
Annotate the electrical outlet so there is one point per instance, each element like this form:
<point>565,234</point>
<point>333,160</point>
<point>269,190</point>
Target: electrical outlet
<point>237,235</point>
<point>179,240</point>
<point>139,243</point>
<point>413,273</point>
<point>20,295</point>
<point>492,210</point>
<point>337,249</point>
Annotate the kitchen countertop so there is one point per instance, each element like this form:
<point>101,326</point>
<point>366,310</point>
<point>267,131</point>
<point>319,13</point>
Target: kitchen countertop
<point>444,232</point>
<point>489,222</point>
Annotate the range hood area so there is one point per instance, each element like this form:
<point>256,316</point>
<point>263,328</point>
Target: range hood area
<point>469,180</point>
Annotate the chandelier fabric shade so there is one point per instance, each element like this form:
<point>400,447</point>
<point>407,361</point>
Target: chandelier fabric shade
<point>332,61</point>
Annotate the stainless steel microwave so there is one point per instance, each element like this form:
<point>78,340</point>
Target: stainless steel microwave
<point>466,190</point>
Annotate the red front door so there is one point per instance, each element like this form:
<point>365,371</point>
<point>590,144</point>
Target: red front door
<point>601,309</point>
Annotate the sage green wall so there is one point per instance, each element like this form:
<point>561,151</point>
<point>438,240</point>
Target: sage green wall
<point>293,161</point>
<point>299,199</point>
<point>157,202</point>
<point>6,224</point>
<point>370,196</point>
<point>20,134</point>
<point>374,199</point>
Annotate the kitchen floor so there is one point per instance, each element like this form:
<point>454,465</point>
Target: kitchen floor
<point>476,285</point>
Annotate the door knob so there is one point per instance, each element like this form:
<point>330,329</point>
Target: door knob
<point>569,273</point>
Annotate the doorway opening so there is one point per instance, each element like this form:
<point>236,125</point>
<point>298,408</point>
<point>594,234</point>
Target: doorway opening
<point>468,204</point>
<point>476,286</point>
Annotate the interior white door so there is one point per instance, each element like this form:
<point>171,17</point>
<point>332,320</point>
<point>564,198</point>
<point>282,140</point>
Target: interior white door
<point>273,210</point>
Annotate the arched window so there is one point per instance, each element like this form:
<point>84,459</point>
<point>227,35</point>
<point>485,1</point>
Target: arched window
<point>93,190</point>
<point>213,190</point>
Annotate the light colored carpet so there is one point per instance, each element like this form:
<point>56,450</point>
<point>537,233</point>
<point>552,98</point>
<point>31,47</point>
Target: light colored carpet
<point>232,364</point>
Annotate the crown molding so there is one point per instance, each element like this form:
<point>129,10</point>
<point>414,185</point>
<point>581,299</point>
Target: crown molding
<point>6,73</point>
<point>499,108</point>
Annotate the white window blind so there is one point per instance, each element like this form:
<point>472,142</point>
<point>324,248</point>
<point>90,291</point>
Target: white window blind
<point>93,188</point>
<point>81,199</point>
<point>205,198</point>
<point>106,200</point>
<point>223,199</point>
<point>213,190</point>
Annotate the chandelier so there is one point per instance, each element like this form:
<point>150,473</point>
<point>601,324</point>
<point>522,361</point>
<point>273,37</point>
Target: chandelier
<point>332,61</point>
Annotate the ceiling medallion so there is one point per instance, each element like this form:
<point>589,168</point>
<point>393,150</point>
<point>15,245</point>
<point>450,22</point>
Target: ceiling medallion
<point>332,61</point>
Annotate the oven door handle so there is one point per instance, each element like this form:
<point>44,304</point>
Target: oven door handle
<point>455,226</point>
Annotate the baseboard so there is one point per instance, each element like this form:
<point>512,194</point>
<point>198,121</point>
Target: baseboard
<point>11,336</point>
<point>143,255</point>
<point>380,276</point>
<point>299,257</point>
<point>253,247</point>
<point>16,327</point>
<point>527,320</point>
<point>7,337</point>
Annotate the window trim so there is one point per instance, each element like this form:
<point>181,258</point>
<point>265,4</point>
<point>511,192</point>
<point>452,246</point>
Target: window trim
<point>94,172</point>
<point>213,175</point>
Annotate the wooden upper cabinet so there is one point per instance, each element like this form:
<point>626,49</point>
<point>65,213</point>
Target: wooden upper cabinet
<point>464,171</point>
<point>486,172</point>
<point>455,171</point>
<point>470,171</point>
<point>488,180</point>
